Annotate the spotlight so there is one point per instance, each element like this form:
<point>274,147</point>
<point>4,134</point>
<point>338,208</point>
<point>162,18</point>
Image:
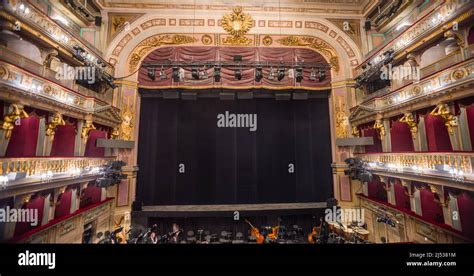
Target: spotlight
<point>175,74</point>
<point>151,73</point>
<point>322,75</point>
<point>299,74</point>
<point>203,74</point>
<point>195,73</point>
<point>312,76</point>
<point>281,73</point>
<point>258,73</point>
<point>271,75</point>
<point>217,74</point>
<point>238,74</point>
<point>162,74</point>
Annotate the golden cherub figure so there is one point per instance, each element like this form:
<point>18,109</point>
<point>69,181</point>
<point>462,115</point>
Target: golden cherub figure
<point>380,127</point>
<point>409,119</point>
<point>8,123</point>
<point>355,131</point>
<point>88,126</point>
<point>56,120</point>
<point>450,121</point>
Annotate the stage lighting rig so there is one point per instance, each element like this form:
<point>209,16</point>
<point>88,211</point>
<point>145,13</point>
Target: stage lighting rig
<point>238,74</point>
<point>358,170</point>
<point>163,74</point>
<point>195,73</point>
<point>175,74</point>
<point>299,74</point>
<point>111,174</point>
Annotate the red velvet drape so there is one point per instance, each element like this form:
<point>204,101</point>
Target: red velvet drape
<point>36,203</point>
<point>401,198</point>
<point>376,189</point>
<point>431,210</point>
<point>63,207</point>
<point>91,149</point>
<point>377,146</point>
<point>437,134</point>
<point>90,195</point>
<point>401,138</point>
<point>466,212</point>
<point>470,37</point>
<point>190,54</point>
<point>24,138</point>
<point>64,140</point>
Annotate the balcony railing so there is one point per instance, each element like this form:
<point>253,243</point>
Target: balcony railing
<point>451,164</point>
<point>41,70</point>
<point>38,166</point>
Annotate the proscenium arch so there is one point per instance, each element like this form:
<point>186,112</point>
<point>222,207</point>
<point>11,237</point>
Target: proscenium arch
<point>122,46</point>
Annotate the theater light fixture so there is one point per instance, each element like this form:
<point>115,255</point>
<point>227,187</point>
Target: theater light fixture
<point>151,74</point>
<point>163,74</point>
<point>258,73</point>
<point>217,74</point>
<point>195,73</point>
<point>281,73</point>
<point>175,74</point>
<point>299,74</point>
<point>203,74</point>
<point>322,75</point>
<point>238,74</point>
<point>271,75</point>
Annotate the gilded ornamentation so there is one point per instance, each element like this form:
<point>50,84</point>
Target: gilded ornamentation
<point>314,43</point>
<point>450,121</point>
<point>456,36</point>
<point>156,41</point>
<point>126,127</point>
<point>88,126</point>
<point>267,40</point>
<point>8,123</point>
<point>355,131</point>
<point>206,39</point>
<point>380,127</point>
<point>237,24</point>
<point>115,133</point>
<point>409,119</point>
<point>458,74</point>
<point>56,120</point>
<point>3,73</point>
<point>341,119</point>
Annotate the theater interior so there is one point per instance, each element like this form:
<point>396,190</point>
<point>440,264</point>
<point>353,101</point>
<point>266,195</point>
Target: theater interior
<point>237,122</point>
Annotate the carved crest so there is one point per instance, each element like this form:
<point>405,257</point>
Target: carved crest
<point>237,24</point>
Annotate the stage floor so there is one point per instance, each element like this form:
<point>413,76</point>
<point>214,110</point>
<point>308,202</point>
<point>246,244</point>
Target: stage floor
<point>234,207</point>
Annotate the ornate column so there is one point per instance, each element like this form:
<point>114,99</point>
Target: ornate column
<point>383,127</point>
<point>466,144</point>
<point>129,103</point>
<point>13,113</point>
<point>54,121</point>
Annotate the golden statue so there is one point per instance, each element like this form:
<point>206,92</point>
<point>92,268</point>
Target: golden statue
<point>409,119</point>
<point>355,131</point>
<point>450,121</point>
<point>115,133</point>
<point>8,123</point>
<point>380,127</point>
<point>56,120</point>
<point>88,126</point>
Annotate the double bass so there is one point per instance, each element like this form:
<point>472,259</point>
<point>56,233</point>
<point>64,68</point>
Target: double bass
<point>312,237</point>
<point>256,233</point>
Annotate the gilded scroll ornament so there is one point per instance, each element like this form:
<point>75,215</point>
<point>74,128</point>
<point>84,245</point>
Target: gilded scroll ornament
<point>355,131</point>
<point>314,43</point>
<point>156,41</point>
<point>450,121</point>
<point>409,119</point>
<point>56,120</point>
<point>237,24</point>
<point>380,127</point>
<point>88,126</point>
<point>341,119</point>
<point>126,128</point>
<point>9,120</point>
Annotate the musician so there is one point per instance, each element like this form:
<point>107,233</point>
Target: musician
<point>175,233</point>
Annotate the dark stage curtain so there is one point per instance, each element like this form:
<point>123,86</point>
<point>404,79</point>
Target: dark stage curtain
<point>233,165</point>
